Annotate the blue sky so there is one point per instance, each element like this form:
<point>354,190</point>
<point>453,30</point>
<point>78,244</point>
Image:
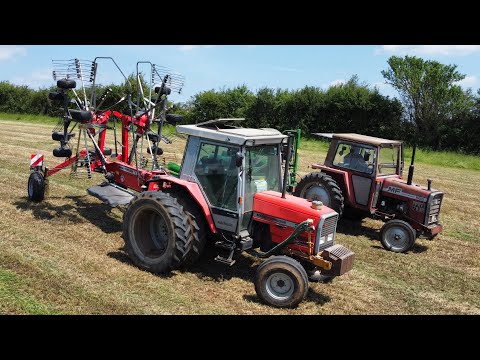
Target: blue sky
<point>215,66</point>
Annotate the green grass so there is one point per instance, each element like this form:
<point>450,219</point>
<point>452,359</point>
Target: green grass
<point>448,159</point>
<point>30,118</point>
<point>13,294</point>
<point>443,159</point>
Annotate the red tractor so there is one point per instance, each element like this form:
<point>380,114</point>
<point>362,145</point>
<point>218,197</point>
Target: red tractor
<point>363,175</point>
<point>229,188</point>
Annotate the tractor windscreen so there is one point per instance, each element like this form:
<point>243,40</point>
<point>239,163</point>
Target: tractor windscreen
<point>388,160</point>
<point>262,173</point>
<point>356,157</point>
<point>262,169</point>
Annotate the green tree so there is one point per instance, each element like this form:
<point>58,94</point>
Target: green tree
<point>429,94</point>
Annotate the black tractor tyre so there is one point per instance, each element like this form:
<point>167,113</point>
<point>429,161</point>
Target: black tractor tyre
<point>334,197</point>
<point>199,228</point>
<point>281,282</point>
<point>156,231</point>
<point>397,236</point>
<point>36,187</point>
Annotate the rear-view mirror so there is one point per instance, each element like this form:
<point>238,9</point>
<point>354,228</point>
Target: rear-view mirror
<point>238,159</point>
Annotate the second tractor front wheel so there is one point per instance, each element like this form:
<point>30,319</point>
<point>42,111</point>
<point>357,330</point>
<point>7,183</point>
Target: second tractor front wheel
<point>397,236</point>
<point>319,186</point>
<point>281,282</point>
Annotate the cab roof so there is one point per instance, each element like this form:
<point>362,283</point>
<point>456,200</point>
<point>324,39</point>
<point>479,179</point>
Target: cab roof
<point>358,138</point>
<point>219,130</point>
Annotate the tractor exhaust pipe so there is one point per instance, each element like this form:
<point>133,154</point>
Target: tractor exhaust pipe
<point>412,166</point>
<point>287,163</point>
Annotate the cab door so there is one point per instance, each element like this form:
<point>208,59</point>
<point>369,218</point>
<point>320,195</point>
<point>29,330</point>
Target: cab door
<point>359,161</point>
<point>217,174</point>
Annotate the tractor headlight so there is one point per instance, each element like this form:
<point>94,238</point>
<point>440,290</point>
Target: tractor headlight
<point>330,237</point>
<point>322,240</point>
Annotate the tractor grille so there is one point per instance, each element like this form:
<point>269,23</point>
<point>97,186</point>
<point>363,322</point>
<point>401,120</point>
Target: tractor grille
<point>326,234</point>
<point>433,210</point>
<point>330,225</point>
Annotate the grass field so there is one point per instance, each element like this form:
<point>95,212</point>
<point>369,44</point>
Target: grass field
<point>65,255</point>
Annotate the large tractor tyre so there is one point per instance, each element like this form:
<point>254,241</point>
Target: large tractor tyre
<point>397,236</point>
<point>36,187</point>
<point>281,282</point>
<point>198,225</point>
<point>156,231</point>
<point>319,186</point>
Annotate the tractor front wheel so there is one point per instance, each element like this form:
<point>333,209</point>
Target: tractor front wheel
<point>156,231</point>
<point>397,236</point>
<point>319,186</point>
<point>281,282</point>
<point>36,186</point>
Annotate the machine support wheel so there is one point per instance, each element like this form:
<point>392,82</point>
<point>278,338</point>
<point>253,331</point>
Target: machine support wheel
<point>320,186</point>
<point>36,187</point>
<point>397,236</point>
<point>281,282</point>
<point>156,231</point>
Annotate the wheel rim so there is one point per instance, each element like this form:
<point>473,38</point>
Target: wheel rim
<point>317,192</point>
<point>150,232</point>
<point>397,238</point>
<point>280,286</point>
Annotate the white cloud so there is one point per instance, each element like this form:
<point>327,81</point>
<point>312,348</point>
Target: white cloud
<point>337,82</point>
<point>9,52</point>
<point>287,69</point>
<point>469,81</point>
<point>36,79</point>
<point>447,50</point>
<point>193,47</point>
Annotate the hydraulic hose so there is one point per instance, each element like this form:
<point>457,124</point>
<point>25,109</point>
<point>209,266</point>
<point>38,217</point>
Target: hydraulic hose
<point>303,226</point>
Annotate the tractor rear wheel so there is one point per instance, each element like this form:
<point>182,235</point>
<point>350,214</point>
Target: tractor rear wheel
<point>397,236</point>
<point>198,225</point>
<point>156,231</point>
<point>36,186</point>
<point>320,186</point>
<point>281,282</point>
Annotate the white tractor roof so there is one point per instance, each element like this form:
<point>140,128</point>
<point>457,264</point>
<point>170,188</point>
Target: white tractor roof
<point>234,135</point>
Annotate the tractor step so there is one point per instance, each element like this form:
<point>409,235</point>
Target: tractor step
<point>110,194</point>
<point>228,246</point>
<point>227,261</point>
<point>225,245</point>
